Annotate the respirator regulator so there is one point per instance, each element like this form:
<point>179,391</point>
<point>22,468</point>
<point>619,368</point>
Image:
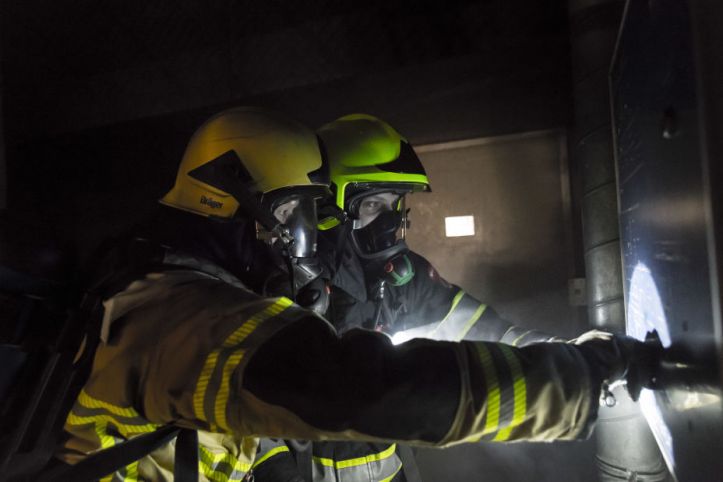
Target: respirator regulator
<point>293,240</point>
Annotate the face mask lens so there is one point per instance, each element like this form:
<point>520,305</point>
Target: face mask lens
<point>284,211</point>
<point>380,234</point>
<point>371,206</point>
<point>299,217</point>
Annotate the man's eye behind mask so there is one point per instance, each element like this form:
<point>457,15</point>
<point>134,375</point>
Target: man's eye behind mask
<point>369,207</point>
<point>380,234</point>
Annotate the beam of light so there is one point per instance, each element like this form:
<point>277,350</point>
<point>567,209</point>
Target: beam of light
<point>423,331</point>
<point>645,313</point>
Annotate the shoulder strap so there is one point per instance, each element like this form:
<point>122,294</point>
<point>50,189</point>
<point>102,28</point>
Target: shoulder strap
<point>109,460</point>
<point>302,450</point>
<point>409,463</point>
<point>185,465</point>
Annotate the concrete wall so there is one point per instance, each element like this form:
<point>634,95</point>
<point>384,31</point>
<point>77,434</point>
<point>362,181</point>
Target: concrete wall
<point>519,259</point>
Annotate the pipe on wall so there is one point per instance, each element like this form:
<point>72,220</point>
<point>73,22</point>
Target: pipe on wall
<point>626,449</point>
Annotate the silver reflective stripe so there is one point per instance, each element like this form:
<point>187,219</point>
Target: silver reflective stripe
<point>462,316</point>
<point>379,467</point>
<point>518,336</point>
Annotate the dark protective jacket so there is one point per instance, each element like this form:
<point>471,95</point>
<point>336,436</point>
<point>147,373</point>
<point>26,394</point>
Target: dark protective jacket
<point>425,306</point>
<point>194,348</point>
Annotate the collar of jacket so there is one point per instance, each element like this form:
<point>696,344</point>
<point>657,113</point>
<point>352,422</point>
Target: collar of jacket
<point>176,258</point>
<point>154,284</point>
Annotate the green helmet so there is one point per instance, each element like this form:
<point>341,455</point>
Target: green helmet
<point>365,153</point>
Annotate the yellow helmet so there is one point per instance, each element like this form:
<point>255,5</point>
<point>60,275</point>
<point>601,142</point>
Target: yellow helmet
<point>261,151</point>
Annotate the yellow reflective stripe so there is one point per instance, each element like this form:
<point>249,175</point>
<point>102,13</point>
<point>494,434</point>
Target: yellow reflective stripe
<point>227,458</point>
<point>202,385</point>
<point>328,223</point>
<point>455,301</point>
<point>89,402</point>
<point>215,475</point>
<point>232,362</point>
<point>269,454</point>
<point>492,417</point>
<point>209,365</point>
<point>100,424</point>
<point>245,330</point>
<point>519,338</point>
<point>470,323</point>
<point>520,393</point>
<point>208,462</point>
<point>106,441</point>
<point>343,464</point>
<point>224,390</point>
<point>123,428</point>
<point>132,472</point>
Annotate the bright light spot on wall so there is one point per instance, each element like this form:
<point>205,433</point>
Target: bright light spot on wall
<point>645,313</point>
<point>459,226</point>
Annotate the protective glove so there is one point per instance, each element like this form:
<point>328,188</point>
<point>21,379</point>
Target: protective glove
<point>616,358</point>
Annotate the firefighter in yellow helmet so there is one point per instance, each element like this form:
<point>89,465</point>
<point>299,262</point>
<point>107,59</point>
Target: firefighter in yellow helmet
<point>187,344</point>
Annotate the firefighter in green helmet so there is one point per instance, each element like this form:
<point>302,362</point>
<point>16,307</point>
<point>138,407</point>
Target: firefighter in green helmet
<point>377,280</point>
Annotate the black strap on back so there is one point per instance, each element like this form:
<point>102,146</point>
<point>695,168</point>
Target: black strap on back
<point>185,465</point>
<point>107,461</point>
<point>302,450</point>
<point>409,463</point>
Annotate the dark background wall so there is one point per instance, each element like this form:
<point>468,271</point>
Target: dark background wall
<point>99,102</point>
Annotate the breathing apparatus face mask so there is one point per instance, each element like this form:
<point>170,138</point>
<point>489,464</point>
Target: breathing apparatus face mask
<point>378,218</point>
<point>294,242</point>
<point>297,216</point>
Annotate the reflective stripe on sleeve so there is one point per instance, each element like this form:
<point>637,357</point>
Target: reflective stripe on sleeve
<point>506,391</point>
<point>517,340</point>
<point>213,386</point>
<point>463,314</point>
<point>382,466</point>
<point>492,415</point>
<point>520,393</point>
